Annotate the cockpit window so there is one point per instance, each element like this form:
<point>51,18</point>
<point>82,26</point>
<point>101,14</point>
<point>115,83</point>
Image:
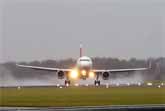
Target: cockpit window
<point>84,59</point>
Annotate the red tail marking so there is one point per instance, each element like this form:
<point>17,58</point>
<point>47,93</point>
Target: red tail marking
<point>80,50</point>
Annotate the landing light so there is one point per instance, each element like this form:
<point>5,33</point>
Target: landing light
<point>83,72</point>
<point>18,87</point>
<point>162,84</point>
<point>139,84</point>
<point>91,74</point>
<point>149,84</point>
<point>76,84</point>
<point>74,74</point>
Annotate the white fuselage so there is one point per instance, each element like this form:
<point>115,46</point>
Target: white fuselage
<point>84,63</point>
<point>84,66</point>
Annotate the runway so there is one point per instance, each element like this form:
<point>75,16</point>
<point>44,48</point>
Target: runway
<point>91,108</point>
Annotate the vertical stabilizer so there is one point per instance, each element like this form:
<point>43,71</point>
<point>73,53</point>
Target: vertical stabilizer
<point>80,49</point>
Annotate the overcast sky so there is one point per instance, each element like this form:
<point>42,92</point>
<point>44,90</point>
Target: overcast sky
<point>52,29</point>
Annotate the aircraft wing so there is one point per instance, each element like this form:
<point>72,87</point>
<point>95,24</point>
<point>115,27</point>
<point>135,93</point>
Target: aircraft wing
<point>43,68</point>
<point>121,70</point>
<point>124,70</point>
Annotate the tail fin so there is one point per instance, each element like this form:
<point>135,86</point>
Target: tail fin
<point>80,50</point>
<point>150,64</point>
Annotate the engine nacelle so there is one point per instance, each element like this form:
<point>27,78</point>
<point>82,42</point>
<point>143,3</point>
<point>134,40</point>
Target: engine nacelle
<point>61,74</point>
<point>105,75</point>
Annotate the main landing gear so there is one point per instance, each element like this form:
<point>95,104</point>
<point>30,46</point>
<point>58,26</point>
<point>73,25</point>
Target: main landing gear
<point>97,81</point>
<point>67,82</point>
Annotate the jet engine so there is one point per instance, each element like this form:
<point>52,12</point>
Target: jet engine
<point>61,74</point>
<point>105,75</point>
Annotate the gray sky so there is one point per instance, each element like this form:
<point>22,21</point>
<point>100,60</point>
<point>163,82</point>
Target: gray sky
<point>52,29</point>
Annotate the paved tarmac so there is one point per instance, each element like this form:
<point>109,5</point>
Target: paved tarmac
<point>91,108</point>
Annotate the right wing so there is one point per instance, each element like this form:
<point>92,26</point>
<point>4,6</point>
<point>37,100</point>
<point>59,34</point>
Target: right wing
<point>44,68</point>
<point>121,70</point>
<point>124,70</point>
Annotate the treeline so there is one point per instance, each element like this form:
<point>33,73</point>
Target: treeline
<point>157,72</point>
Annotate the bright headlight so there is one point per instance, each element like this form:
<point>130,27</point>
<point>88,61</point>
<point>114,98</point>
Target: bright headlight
<point>91,74</point>
<point>83,72</point>
<point>74,74</point>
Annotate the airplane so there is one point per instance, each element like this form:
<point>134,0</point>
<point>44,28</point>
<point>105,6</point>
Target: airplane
<point>83,70</point>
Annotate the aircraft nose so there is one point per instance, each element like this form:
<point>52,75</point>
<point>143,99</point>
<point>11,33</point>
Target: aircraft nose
<point>84,63</point>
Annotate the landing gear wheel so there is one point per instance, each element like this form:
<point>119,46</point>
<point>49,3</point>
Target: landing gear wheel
<point>97,83</point>
<point>67,82</point>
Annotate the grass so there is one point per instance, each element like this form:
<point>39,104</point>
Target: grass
<point>81,96</point>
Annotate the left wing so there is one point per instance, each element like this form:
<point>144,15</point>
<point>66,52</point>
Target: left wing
<point>43,68</point>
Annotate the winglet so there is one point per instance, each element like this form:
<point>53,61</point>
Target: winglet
<point>17,65</point>
<point>150,65</point>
